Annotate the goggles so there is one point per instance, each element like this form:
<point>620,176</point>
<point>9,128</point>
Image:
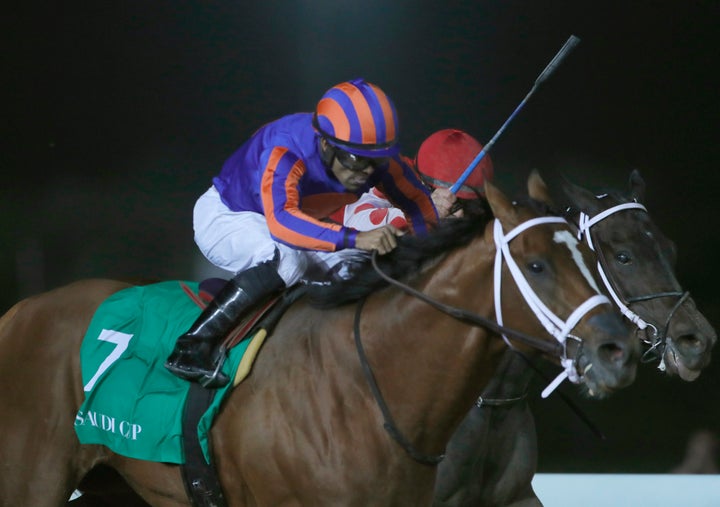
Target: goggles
<point>356,163</point>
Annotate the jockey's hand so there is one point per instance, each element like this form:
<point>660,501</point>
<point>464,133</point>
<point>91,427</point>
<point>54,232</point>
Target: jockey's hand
<point>383,239</point>
<point>443,199</point>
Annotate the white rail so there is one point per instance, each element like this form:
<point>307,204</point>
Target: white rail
<point>627,490</point>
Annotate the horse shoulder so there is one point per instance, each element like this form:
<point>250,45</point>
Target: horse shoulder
<point>303,372</point>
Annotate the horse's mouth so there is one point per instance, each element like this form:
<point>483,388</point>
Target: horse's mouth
<point>592,386</point>
<point>673,366</point>
<point>601,379</point>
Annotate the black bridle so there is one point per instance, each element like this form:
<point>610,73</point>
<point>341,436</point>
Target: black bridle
<point>658,334</point>
<point>658,344</point>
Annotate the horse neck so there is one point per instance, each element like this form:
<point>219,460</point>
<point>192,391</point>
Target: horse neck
<point>427,363</point>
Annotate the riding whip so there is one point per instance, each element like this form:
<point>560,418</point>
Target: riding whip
<point>554,63</point>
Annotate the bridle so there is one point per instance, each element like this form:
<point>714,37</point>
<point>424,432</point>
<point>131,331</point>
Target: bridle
<point>657,333</point>
<point>553,324</point>
<point>560,329</point>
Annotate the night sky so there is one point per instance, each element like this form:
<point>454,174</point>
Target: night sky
<point>118,114</point>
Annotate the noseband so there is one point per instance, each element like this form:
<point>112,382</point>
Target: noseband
<point>658,333</point>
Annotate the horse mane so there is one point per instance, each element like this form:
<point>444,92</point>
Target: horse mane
<point>612,193</point>
<point>410,256</point>
<point>539,207</point>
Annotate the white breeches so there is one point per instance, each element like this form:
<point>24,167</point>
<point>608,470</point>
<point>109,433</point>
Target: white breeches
<point>236,241</point>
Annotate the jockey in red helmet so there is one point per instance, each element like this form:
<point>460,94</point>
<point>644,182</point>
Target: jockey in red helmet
<point>262,218</point>
<point>440,161</point>
<point>444,156</point>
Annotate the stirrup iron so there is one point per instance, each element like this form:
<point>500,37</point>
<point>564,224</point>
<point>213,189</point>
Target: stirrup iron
<point>206,380</point>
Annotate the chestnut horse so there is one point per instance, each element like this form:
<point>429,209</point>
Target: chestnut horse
<point>306,428</point>
<point>492,458</point>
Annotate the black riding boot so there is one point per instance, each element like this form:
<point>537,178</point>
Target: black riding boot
<point>197,355</point>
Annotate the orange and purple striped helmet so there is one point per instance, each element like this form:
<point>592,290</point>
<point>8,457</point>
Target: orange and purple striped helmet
<point>358,117</point>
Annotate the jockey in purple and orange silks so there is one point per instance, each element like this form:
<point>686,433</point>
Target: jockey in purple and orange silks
<point>262,217</point>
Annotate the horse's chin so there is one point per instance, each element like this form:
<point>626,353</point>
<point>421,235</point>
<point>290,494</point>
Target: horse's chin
<point>673,366</point>
<point>599,383</point>
<point>595,391</point>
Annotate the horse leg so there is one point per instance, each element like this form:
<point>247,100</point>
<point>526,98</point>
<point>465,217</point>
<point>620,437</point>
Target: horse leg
<point>41,460</point>
<point>104,487</point>
<point>530,501</point>
<point>158,484</point>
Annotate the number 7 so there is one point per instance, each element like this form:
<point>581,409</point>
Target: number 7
<point>121,340</point>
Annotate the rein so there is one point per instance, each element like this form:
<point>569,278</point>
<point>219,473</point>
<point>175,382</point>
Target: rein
<point>469,317</point>
<point>389,424</point>
<point>658,332</point>
<point>554,325</point>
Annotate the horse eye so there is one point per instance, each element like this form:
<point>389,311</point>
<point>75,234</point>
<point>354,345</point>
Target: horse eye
<point>622,258</point>
<point>536,267</point>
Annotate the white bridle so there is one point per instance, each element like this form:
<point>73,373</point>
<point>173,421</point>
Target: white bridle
<point>585,223</point>
<point>558,328</point>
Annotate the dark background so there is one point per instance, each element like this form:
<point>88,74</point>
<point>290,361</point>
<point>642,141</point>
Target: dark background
<point>119,113</point>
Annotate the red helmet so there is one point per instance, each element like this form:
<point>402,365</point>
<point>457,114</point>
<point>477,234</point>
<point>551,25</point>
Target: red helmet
<point>357,116</point>
<point>444,156</point>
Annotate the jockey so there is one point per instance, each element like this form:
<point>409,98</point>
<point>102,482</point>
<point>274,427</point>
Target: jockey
<point>440,161</point>
<point>264,217</point>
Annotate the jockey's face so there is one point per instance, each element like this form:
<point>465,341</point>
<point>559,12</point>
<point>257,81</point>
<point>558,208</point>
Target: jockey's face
<point>352,170</point>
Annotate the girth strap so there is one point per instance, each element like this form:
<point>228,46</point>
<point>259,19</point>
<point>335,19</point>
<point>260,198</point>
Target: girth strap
<point>200,478</point>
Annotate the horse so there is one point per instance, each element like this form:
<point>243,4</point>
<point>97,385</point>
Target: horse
<point>492,457</point>
<point>636,261</point>
<point>311,424</point>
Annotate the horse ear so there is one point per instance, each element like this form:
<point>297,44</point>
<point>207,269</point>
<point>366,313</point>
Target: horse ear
<point>637,186</point>
<point>581,198</point>
<point>537,189</point>
<point>499,204</point>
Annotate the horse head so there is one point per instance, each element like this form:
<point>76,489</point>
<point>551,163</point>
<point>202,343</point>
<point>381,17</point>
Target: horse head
<point>636,263</point>
<point>547,264</point>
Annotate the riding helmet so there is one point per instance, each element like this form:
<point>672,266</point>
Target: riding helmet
<point>444,156</point>
<point>358,117</point>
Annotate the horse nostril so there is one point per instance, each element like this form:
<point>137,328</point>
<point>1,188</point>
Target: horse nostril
<point>690,343</point>
<point>612,353</point>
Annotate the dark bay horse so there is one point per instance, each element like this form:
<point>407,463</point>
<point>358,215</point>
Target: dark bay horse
<point>492,458</point>
<point>637,261</point>
<point>304,428</point>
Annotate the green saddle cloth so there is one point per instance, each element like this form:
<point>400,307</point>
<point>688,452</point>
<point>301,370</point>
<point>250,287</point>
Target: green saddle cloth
<point>133,405</point>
